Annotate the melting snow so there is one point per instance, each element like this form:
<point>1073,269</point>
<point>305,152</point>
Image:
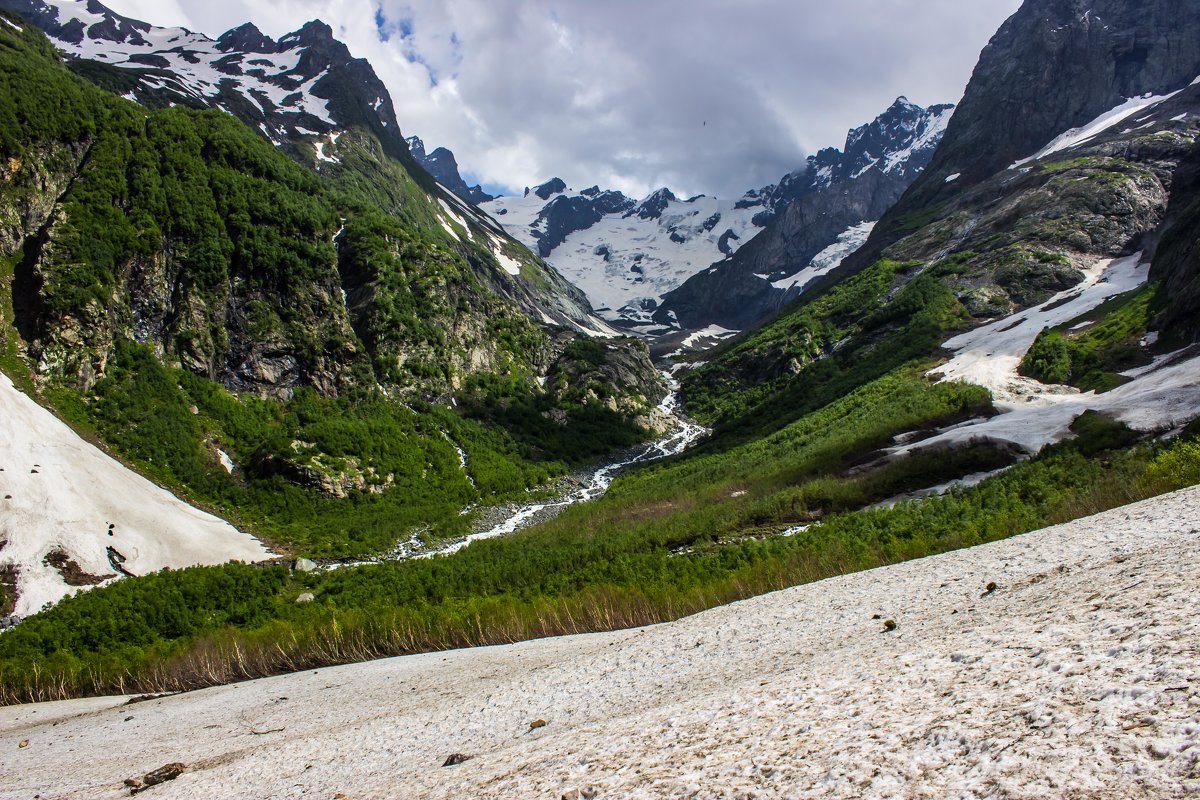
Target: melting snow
<point>61,493</point>
<point>1034,414</point>
<point>1076,675</point>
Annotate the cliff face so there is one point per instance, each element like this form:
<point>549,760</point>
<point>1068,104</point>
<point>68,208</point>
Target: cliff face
<point>1055,65</point>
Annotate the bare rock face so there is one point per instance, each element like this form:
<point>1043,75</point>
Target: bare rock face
<point>1053,66</point>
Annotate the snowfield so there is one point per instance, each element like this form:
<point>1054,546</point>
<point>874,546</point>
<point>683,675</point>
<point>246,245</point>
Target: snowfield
<point>1062,663</point>
<point>59,493</point>
<point>1159,397</point>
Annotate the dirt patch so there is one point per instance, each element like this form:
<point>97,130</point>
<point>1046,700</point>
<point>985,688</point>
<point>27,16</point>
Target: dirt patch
<point>71,572</point>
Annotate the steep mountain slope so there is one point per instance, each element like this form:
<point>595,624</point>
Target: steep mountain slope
<point>442,165</point>
<point>1020,248</point>
<point>302,93</point>
<point>665,263</point>
<point>1052,67</point>
<point>329,348</point>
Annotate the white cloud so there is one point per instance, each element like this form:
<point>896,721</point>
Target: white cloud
<point>701,95</point>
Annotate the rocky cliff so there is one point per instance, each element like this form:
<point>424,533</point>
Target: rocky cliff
<point>443,166</point>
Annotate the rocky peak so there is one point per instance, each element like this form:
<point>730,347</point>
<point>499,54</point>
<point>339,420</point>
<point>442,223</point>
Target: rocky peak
<point>443,166</point>
<point>654,205</point>
<point>417,148</point>
<point>552,186</point>
<point>246,38</point>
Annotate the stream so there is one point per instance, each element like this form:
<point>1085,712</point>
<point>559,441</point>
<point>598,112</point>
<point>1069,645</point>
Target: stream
<point>588,485</point>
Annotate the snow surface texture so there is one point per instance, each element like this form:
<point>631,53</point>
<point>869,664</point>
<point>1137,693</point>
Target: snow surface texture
<point>614,288</point>
<point>1162,396</point>
<point>60,493</point>
<point>1077,676</point>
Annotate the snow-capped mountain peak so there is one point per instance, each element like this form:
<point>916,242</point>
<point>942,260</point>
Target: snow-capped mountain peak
<point>305,84</point>
<point>629,255</point>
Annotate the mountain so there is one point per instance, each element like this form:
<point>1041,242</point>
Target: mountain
<point>442,165</point>
<point>662,263</point>
<point>1049,257</point>
<point>818,216</point>
<point>272,310</point>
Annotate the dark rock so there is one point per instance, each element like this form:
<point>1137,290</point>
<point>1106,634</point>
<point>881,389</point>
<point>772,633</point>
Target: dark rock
<point>653,206</point>
<point>552,186</point>
<point>889,625</point>
<point>247,39</point>
<point>454,759</point>
<point>167,772</point>
<point>442,165</point>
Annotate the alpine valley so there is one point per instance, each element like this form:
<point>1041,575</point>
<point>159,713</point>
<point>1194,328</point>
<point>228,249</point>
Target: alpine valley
<point>281,392</point>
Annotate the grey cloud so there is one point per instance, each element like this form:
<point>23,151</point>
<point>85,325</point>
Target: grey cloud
<point>701,95</point>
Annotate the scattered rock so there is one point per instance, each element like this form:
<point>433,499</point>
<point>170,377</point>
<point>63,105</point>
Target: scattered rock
<point>133,783</point>
<point>454,759</point>
<point>991,587</point>
<point>306,597</point>
<point>889,625</point>
<point>167,772</point>
<point>23,743</point>
<point>537,723</point>
<point>304,565</point>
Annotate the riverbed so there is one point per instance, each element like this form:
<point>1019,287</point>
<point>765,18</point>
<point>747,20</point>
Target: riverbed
<point>580,486</point>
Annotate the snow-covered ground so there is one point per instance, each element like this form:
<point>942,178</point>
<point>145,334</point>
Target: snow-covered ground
<point>1159,397</point>
<point>1077,675</point>
<point>59,493</point>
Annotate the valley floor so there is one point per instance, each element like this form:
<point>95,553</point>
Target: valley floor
<point>1061,663</point>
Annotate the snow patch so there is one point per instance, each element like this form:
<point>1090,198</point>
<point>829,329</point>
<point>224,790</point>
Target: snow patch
<point>1160,397</point>
<point>1077,136</point>
<point>64,494</point>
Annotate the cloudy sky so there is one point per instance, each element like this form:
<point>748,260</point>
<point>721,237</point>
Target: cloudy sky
<point>713,96</point>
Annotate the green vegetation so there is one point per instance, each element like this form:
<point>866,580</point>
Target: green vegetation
<point>188,232</point>
<point>666,541</point>
<point>822,347</point>
<point>1090,357</point>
